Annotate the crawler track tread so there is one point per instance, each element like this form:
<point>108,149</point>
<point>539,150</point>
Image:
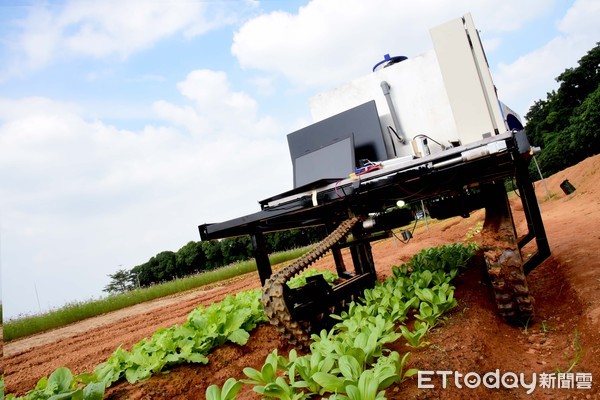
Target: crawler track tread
<point>505,269</point>
<point>273,300</point>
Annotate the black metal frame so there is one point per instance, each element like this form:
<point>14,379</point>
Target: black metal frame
<point>435,176</point>
<point>533,216</point>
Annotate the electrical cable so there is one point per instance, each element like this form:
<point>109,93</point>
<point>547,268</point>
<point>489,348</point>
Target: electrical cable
<point>411,233</point>
<point>395,133</point>
<point>514,182</point>
<point>390,129</point>
<point>433,140</point>
<point>338,193</point>
<point>402,241</point>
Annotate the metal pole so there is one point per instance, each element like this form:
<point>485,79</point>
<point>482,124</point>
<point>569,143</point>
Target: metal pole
<point>385,87</point>
<point>425,215</point>
<point>37,297</point>
<point>542,177</point>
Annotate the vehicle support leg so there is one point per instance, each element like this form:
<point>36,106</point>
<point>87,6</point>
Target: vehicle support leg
<point>259,251</point>
<point>503,260</point>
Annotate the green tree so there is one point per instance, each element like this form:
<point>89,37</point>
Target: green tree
<point>236,249</point>
<point>566,124</point>
<point>191,258</point>
<point>584,130</point>
<point>579,82</point>
<point>164,266</point>
<point>214,256</point>
<point>144,274</point>
<point>121,281</point>
<point>196,257</point>
<point>536,122</point>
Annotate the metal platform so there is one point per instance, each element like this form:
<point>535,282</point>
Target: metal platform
<point>451,173</point>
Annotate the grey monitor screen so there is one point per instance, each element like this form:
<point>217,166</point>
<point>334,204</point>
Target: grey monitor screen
<point>361,123</point>
<point>335,161</point>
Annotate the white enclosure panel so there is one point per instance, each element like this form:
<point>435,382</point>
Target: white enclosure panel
<point>418,94</point>
<point>495,107</point>
<point>467,80</point>
<point>447,94</point>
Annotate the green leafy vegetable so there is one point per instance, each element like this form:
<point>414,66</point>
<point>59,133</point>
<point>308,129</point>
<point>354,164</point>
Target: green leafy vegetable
<point>300,280</point>
<point>230,389</point>
<point>62,385</point>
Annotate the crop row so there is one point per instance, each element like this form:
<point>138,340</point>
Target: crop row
<point>351,360</point>
<point>348,362</point>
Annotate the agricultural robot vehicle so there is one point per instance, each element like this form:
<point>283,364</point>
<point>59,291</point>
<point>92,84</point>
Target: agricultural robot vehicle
<point>427,130</point>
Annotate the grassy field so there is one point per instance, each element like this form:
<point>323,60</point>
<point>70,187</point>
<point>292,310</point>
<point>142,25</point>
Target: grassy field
<point>74,312</point>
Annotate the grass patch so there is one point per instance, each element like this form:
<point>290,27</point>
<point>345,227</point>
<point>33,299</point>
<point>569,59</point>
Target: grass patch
<point>74,312</point>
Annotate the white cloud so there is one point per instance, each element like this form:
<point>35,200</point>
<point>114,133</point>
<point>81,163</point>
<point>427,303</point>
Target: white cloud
<point>109,28</point>
<point>264,85</point>
<point>506,16</point>
<point>119,28</point>
<point>582,19</point>
<point>206,86</point>
<point>215,109</point>
<point>35,46</point>
<point>183,116</point>
<point>332,41</point>
<point>532,75</point>
<point>88,196</point>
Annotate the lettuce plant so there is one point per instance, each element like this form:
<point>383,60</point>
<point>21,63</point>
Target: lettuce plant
<point>414,338</point>
<point>62,385</point>
<point>231,387</point>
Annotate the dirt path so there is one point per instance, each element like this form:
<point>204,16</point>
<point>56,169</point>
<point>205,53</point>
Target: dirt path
<point>84,345</point>
<point>45,338</point>
<point>566,288</point>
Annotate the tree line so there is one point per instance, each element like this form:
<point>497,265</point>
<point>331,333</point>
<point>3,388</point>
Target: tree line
<point>566,125</point>
<point>196,257</point>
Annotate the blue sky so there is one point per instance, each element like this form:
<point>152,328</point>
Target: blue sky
<point>125,124</point>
